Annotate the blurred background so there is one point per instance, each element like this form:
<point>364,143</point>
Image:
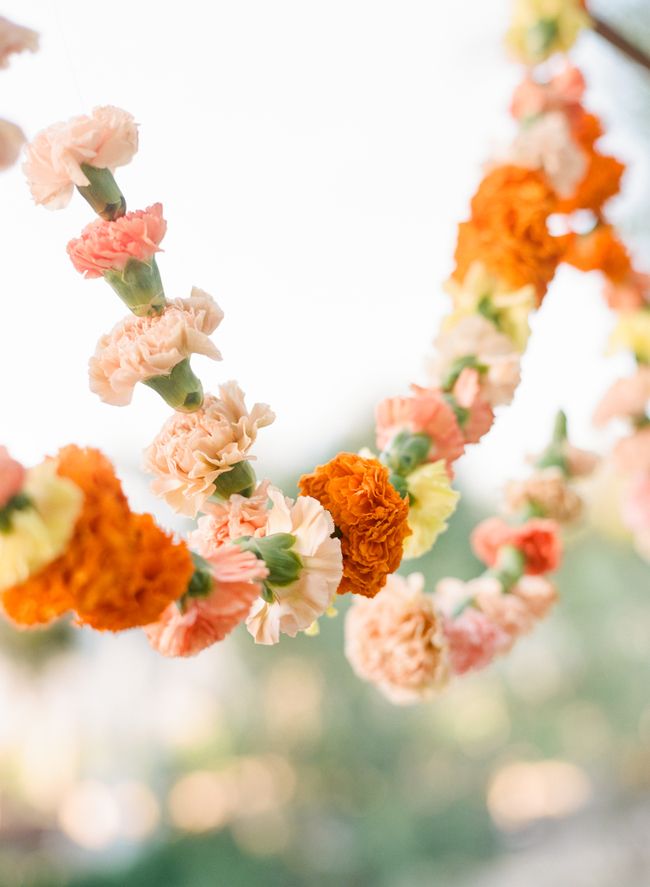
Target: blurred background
<point>313,160</point>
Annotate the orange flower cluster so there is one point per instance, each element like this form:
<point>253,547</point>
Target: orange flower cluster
<point>119,570</point>
<point>600,250</point>
<point>368,512</point>
<point>508,229</point>
<point>602,178</point>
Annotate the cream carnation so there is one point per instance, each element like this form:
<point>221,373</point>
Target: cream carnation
<point>106,139</point>
<point>295,607</point>
<point>396,640</point>
<point>140,348</point>
<point>193,449</point>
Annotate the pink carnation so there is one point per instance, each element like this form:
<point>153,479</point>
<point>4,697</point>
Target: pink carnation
<point>106,139</point>
<point>627,398</point>
<point>13,39</point>
<point>139,348</point>
<point>562,93</point>
<point>425,411</point>
<point>511,615</point>
<point>236,517</point>
<point>396,641</point>
<point>632,454</point>
<point>12,477</point>
<point>199,622</point>
<point>473,641</point>
<point>538,540</point>
<point>467,392</point>
<point>108,246</point>
<point>12,138</point>
<point>193,449</point>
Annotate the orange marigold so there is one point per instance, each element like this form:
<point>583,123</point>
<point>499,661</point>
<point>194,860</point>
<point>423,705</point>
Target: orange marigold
<point>508,229</point>
<point>119,571</point>
<point>370,515</point>
<point>602,178</point>
<point>600,250</point>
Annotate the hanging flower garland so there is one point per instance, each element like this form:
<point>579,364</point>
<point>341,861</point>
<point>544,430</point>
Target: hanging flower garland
<point>277,564</point>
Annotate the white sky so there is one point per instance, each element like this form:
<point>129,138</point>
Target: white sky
<point>313,160</point>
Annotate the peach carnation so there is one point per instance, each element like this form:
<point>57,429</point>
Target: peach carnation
<point>12,477</point>
<point>108,246</point>
<point>225,521</point>
<point>626,399</point>
<point>370,516</point>
<point>475,336</point>
<point>139,348</point>
<point>538,540</point>
<point>468,395</point>
<point>12,138</point>
<point>14,39</point>
<point>198,622</point>
<point>106,139</point>
<point>396,641</point>
<point>636,505</point>
<point>580,463</point>
<point>425,411</point>
<point>193,449</point>
<point>548,491</point>
<point>632,454</point>
<point>562,93</point>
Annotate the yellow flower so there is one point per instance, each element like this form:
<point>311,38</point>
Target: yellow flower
<point>542,27</point>
<point>433,502</point>
<point>39,534</point>
<point>482,293</point>
<point>633,332</point>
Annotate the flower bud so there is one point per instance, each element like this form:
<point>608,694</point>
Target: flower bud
<point>139,286</point>
<point>406,451</point>
<point>102,193</point>
<point>181,389</point>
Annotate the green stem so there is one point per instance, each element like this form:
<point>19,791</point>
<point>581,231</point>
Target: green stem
<point>181,389</point>
<point>102,192</point>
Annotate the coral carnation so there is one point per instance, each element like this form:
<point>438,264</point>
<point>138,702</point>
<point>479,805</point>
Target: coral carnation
<point>369,514</point>
<point>537,539</point>
<point>108,246</point>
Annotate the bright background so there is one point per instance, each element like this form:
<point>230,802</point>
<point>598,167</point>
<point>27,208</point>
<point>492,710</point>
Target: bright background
<point>313,160</point>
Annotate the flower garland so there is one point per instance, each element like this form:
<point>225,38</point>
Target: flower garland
<point>275,563</point>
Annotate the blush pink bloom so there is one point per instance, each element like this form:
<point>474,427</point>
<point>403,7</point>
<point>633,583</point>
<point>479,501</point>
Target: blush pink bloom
<point>425,411</point>
<point>538,540</point>
<point>12,138</point>
<point>630,294</point>
<point>237,516</point>
<point>12,477</point>
<point>562,93</point>
<point>475,336</point>
<point>467,392</point>
<point>636,505</point>
<point>193,449</point>
<point>14,39</point>
<point>632,454</point>
<point>108,246</point>
<point>473,640</point>
<point>511,615</point>
<point>537,593</point>
<point>580,463</point>
<point>396,641</point>
<point>199,622</point>
<point>139,348</point>
<point>627,398</point>
<point>106,139</point>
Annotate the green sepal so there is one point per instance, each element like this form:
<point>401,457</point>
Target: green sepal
<point>102,192</point>
<point>139,286</point>
<point>240,480</point>
<point>19,502</point>
<point>276,550</point>
<point>180,388</point>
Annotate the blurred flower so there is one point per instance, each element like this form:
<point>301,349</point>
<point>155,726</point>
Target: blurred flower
<point>473,640</point>
<point>508,232</point>
<point>432,502</point>
<point>12,138</point>
<point>480,293</point>
<point>296,605</point>
<point>14,39</point>
<point>369,514</point>
<point>476,337</point>
<point>632,332</point>
<point>540,28</point>
<point>599,250</point>
<point>632,454</point>
<point>118,571</point>
<point>537,539</point>
<point>12,477</point>
<point>547,491</point>
<point>478,417</point>
<point>579,463</point>
<point>626,399</point>
<point>396,641</point>
<point>108,245</point>
<point>140,348</point>
<point>200,621</point>
<point>561,93</point>
<point>193,449</point>
<point>39,532</point>
<point>636,505</point>
<point>628,294</point>
<point>106,139</point>
<point>425,411</point>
